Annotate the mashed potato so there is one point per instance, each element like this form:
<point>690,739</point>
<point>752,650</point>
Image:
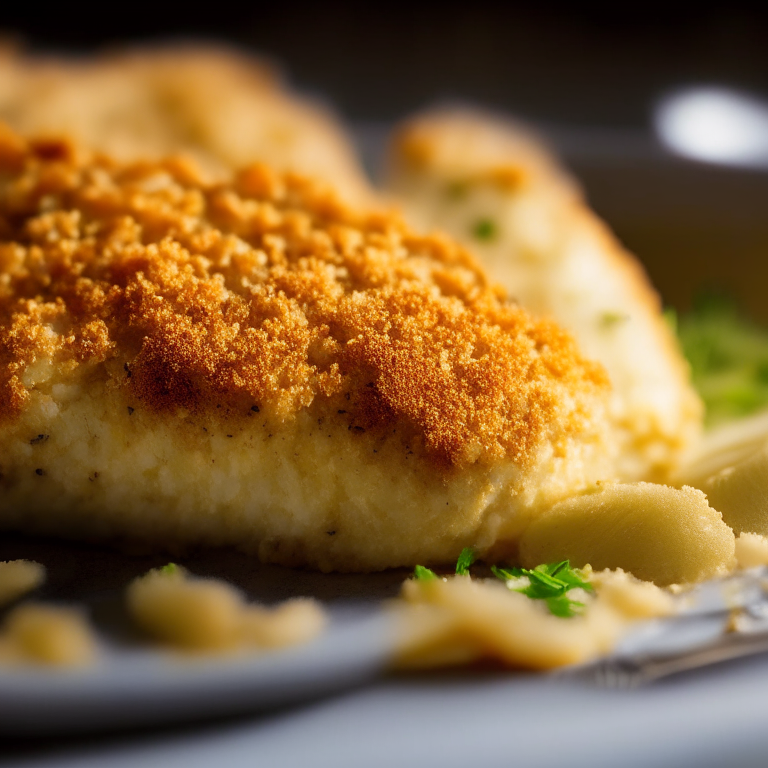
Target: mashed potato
<point>731,467</point>
<point>751,550</point>
<point>659,533</point>
<point>255,364</point>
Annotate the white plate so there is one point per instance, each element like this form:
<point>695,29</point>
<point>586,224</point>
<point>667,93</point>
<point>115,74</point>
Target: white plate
<point>129,688</point>
<point>710,720</point>
<point>132,684</point>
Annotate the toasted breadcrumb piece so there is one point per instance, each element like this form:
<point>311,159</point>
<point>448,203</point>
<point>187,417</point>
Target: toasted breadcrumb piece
<point>17,577</point>
<point>496,189</point>
<point>223,108</point>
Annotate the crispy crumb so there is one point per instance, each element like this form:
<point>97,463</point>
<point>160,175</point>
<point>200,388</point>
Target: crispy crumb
<point>459,620</point>
<point>267,291</point>
<point>47,634</point>
<point>17,577</point>
<point>292,622</point>
<point>196,614</point>
<point>491,184</point>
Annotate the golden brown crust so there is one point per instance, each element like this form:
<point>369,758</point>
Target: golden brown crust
<point>544,231</point>
<point>268,293</point>
<point>415,143</point>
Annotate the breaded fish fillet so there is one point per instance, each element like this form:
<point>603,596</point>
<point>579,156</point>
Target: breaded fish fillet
<point>254,363</point>
<point>222,108</point>
<point>494,188</point>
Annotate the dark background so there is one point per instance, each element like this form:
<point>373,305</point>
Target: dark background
<point>584,63</point>
<point>585,73</point>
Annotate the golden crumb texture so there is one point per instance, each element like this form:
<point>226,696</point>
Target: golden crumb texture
<point>494,187</point>
<point>266,295</point>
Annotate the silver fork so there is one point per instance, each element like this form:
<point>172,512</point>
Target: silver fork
<point>622,672</point>
<point>709,631</point>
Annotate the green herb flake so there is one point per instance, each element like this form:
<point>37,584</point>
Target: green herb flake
<point>485,229</point>
<point>507,574</point>
<point>420,573</point>
<point>728,353</point>
<point>670,318</point>
<point>550,582</point>
<point>613,319</point>
<point>563,607</point>
<point>169,569</point>
<point>466,559</point>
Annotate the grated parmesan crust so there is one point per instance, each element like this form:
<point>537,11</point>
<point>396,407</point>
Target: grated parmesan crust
<point>256,364</point>
<point>267,294</point>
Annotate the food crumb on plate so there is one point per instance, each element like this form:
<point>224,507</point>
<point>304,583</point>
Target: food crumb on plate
<point>458,620</point>
<point>18,577</point>
<point>204,614</point>
<point>51,635</point>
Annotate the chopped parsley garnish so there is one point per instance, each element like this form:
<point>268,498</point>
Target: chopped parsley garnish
<point>169,569</point>
<point>420,573</point>
<point>485,229</point>
<point>550,583</point>
<point>466,558</point>
<point>728,354</point>
<point>563,607</point>
<point>670,318</point>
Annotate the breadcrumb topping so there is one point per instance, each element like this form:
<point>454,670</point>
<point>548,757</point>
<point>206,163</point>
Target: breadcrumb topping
<point>268,294</point>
